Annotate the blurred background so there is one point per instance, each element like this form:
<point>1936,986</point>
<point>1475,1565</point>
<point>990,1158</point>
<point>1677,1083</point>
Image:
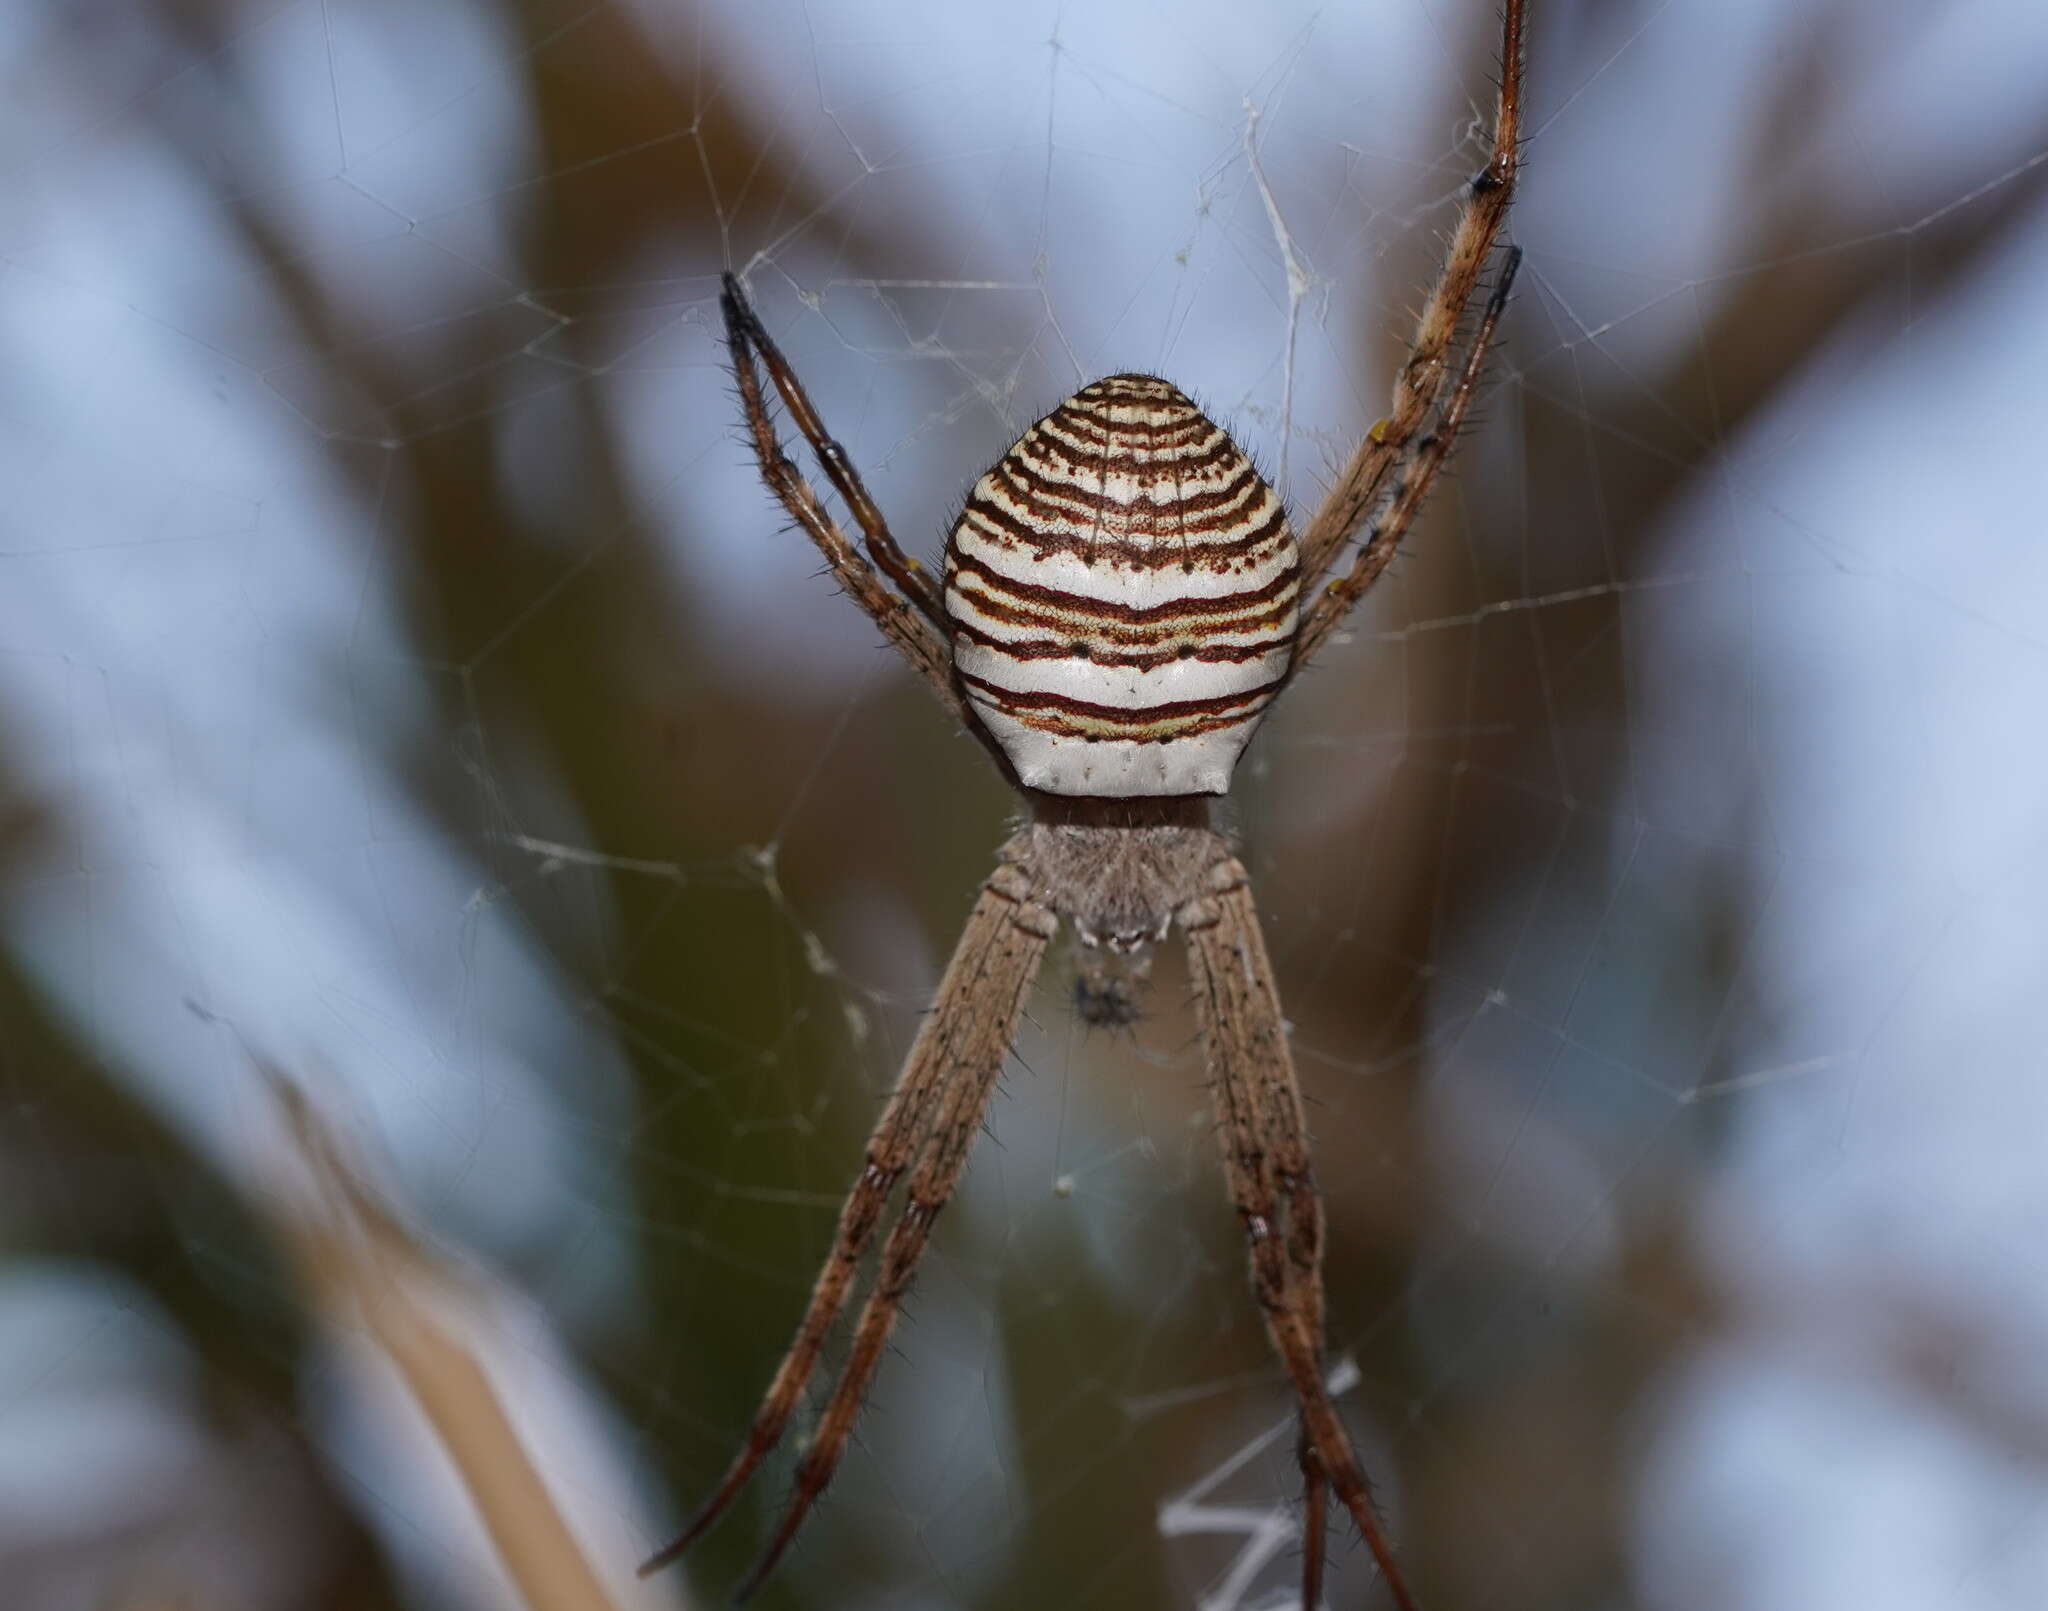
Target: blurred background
<point>404,680</point>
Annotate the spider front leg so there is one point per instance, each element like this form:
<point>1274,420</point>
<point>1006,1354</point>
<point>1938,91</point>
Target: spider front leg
<point>910,614</point>
<point>1264,1137</point>
<point>1423,374</point>
<point>1411,484</point>
<point>927,1129</point>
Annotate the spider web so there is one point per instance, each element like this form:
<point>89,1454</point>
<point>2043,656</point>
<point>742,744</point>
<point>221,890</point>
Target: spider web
<point>405,683</point>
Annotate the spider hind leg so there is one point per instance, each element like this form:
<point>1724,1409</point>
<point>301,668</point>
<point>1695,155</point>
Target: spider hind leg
<point>920,1143</point>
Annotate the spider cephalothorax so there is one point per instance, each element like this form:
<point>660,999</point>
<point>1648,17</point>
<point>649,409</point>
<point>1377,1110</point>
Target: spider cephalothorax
<point>1123,601</point>
<point>1116,873</point>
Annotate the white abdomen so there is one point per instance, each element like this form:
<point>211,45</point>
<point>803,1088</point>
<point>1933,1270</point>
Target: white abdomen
<point>1123,590</point>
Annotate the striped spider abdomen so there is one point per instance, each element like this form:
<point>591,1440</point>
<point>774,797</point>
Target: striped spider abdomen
<point>1123,593</point>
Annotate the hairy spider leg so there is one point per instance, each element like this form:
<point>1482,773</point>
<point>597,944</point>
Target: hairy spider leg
<point>930,1121</point>
<point>910,619</point>
<point>911,579</point>
<point>1264,1140</point>
<point>1423,373</point>
<point>1412,484</point>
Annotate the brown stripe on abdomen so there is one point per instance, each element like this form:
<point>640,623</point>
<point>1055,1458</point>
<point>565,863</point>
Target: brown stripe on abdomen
<point>1124,592</point>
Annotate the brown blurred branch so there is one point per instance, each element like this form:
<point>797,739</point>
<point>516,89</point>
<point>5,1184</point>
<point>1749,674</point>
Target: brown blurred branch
<point>357,1262</point>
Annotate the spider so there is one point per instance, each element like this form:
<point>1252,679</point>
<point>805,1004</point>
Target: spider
<point>1123,599</point>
